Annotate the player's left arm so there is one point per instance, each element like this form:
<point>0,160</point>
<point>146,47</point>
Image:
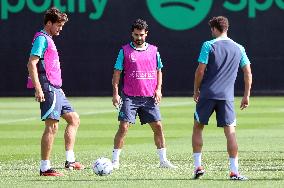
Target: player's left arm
<point>245,65</point>
<point>158,92</point>
<point>248,82</point>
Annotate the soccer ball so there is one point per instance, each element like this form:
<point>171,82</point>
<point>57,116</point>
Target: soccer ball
<point>102,166</point>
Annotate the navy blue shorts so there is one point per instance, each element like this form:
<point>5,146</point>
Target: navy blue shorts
<point>225,113</point>
<point>146,108</point>
<point>55,104</point>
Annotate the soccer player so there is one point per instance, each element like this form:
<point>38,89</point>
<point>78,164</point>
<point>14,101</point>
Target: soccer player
<point>215,77</point>
<point>141,66</point>
<point>45,77</point>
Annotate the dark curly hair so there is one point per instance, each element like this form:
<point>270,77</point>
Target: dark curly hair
<point>140,25</point>
<point>54,15</point>
<point>220,22</point>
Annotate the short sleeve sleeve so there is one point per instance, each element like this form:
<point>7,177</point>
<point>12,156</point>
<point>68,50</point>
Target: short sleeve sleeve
<point>119,61</point>
<point>39,46</point>
<point>204,54</point>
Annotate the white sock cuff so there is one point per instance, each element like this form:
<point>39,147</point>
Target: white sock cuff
<point>233,158</point>
<point>116,151</point>
<point>70,156</point>
<point>161,150</point>
<point>116,154</point>
<point>197,154</point>
<point>44,165</point>
<point>197,159</point>
<point>45,162</point>
<point>234,164</point>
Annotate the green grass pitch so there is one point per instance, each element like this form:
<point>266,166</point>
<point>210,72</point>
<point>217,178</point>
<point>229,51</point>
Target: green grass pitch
<point>260,135</point>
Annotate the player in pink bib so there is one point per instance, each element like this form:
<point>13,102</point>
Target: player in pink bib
<point>140,65</point>
<point>45,78</point>
<point>140,70</point>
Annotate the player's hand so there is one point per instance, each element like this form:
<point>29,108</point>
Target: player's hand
<point>158,96</point>
<point>39,96</point>
<point>244,103</point>
<point>196,96</point>
<point>116,101</point>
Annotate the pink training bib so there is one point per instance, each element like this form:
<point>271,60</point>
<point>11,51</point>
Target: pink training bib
<point>51,62</point>
<point>140,68</point>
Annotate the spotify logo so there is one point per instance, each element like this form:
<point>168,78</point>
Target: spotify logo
<point>179,14</point>
<point>186,14</point>
<point>172,14</point>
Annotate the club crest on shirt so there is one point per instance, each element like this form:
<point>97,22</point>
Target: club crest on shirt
<point>132,57</point>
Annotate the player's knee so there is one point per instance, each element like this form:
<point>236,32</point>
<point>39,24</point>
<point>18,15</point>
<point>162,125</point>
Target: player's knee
<point>230,132</point>
<point>51,126</point>
<point>123,128</point>
<point>159,124</point>
<point>55,129</point>
<point>198,126</point>
<point>75,119</point>
<point>51,129</point>
<point>158,127</point>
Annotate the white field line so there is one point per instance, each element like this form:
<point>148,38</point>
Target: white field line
<point>93,112</point>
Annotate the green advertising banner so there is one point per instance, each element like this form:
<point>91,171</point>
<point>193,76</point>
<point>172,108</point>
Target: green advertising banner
<point>89,43</point>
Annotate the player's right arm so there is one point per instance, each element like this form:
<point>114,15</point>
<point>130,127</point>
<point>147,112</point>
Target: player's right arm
<point>118,67</point>
<point>115,83</point>
<point>33,73</point>
<point>37,52</point>
<point>199,72</point>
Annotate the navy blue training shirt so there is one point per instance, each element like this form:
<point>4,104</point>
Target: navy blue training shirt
<point>223,57</point>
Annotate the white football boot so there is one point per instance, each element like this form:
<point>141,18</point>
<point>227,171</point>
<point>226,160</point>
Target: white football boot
<point>115,165</point>
<point>167,164</point>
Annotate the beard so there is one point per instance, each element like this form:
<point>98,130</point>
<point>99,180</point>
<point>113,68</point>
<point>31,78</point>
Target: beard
<point>139,42</point>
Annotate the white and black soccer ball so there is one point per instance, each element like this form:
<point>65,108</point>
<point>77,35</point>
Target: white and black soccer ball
<point>102,166</point>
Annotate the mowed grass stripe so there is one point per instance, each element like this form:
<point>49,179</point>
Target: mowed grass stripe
<point>260,137</point>
<point>7,111</point>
